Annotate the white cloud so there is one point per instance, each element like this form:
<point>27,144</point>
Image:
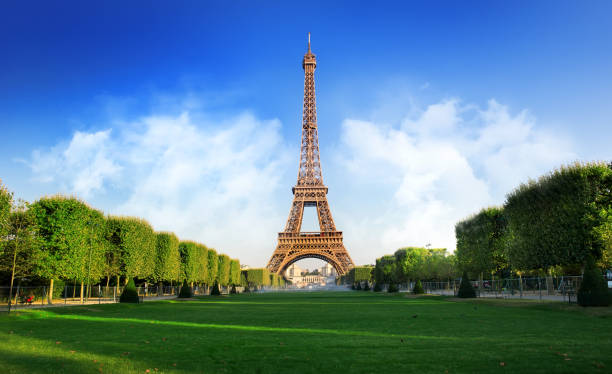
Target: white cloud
<point>438,167</point>
<point>215,183</point>
<point>226,184</point>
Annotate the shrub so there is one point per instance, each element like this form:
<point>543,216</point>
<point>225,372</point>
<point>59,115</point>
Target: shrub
<point>418,288</point>
<point>377,287</point>
<point>392,288</point>
<point>358,288</point>
<point>465,288</point>
<point>215,290</point>
<point>366,287</point>
<point>130,293</point>
<point>233,289</point>
<point>593,289</point>
<point>185,291</point>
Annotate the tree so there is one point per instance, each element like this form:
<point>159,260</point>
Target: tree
<point>359,274</point>
<point>409,263</point>
<point>6,202</point>
<point>563,218</point>
<point>190,261</point>
<point>168,259</point>
<point>482,241</point>
<point>234,274</point>
<point>224,270</point>
<point>385,270</point>
<point>134,243</point>
<point>258,277</point>
<point>70,240</point>
<point>213,267</point>
<point>17,257</point>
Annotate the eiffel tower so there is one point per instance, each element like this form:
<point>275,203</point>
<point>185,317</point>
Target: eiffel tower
<point>326,244</point>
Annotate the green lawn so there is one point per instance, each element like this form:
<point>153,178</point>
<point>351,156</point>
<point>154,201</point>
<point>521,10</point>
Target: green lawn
<point>324,332</point>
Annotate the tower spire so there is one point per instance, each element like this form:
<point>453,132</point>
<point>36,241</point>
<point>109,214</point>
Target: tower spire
<point>309,43</point>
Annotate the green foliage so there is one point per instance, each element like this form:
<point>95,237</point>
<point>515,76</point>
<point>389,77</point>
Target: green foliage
<point>223,275</point>
<point>134,243</point>
<point>189,260</point>
<point>70,241</point>
<point>466,290</point>
<point>215,291</point>
<point>20,244</point>
<point>358,287</point>
<point>392,288</point>
<point>185,291</point>
<point>6,202</point>
<point>233,289</point>
<point>593,289</point>
<point>385,270</point>
<point>482,241</point>
<point>202,263</point>
<point>359,274</point>
<point>423,263</point>
<point>366,287</point>
<point>212,267</point>
<point>562,219</point>
<point>258,277</point>
<point>168,259</point>
<point>243,279</point>
<point>418,288</point>
<point>234,274</point>
<point>130,293</point>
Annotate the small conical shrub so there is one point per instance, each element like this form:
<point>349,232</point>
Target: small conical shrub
<point>377,287</point>
<point>185,291</point>
<point>392,288</point>
<point>593,289</point>
<point>418,288</point>
<point>366,287</point>
<point>358,288</point>
<point>466,290</point>
<point>353,286</point>
<point>233,289</point>
<point>130,293</point>
<point>215,290</point>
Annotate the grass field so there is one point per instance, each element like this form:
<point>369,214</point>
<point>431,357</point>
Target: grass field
<point>326,332</point>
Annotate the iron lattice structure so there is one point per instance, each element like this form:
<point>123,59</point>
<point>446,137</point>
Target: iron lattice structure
<point>326,244</point>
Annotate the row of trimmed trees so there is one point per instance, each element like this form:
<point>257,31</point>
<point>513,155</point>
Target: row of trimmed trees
<point>63,239</point>
<point>555,225</point>
<point>406,266</point>
<point>252,279</point>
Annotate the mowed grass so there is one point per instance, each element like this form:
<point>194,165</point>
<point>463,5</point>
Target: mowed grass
<point>309,332</point>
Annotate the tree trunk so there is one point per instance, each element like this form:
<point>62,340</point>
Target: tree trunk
<point>117,285</point>
<point>82,284</point>
<point>12,278</point>
<point>50,296</point>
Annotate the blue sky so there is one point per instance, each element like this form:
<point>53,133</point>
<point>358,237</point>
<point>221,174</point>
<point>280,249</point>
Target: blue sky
<point>427,110</point>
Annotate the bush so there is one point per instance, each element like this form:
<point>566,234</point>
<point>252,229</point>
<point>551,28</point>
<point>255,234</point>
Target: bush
<point>185,291</point>
<point>465,288</point>
<point>215,290</point>
<point>233,290</point>
<point>392,288</point>
<point>377,287</point>
<point>593,289</point>
<point>353,286</point>
<point>130,293</point>
<point>418,288</point>
<point>358,288</point>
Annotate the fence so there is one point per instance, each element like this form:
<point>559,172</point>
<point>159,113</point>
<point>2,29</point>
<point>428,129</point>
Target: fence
<point>543,288</point>
<point>24,297</point>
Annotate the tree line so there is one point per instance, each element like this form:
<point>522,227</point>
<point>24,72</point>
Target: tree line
<point>407,265</point>
<point>60,239</point>
<point>553,225</point>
